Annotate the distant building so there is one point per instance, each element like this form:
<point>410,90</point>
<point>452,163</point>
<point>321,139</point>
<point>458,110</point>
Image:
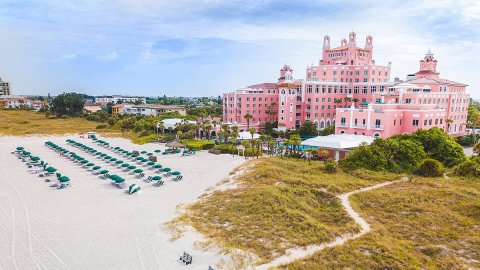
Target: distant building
<point>120,108</point>
<point>93,107</point>
<point>5,88</point>
<point>155,110</point>
<point>120,99</point>
<point>15,102</point>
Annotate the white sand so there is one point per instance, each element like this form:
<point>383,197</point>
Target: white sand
<point>94,225</point>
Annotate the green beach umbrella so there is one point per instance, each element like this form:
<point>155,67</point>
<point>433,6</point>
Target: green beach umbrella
<point>138,171</point>
<point>96,168</point>
<point>84,161</point>
<point>143,152</point>
<point>156,178</point>
<point>113,159</point>
<point>90,164</point>
<point>64,179</point>
<point>131,167</point>
<point>119,161</point>
<point>26,153</point>
<point>157,151</point>
<point>149,154</point>
<point>166,169</point>
<point>104,172</point>
<point>151,163</point>
<point>108,157</point>
<point>125,165</point>
<point>51,169</point>
<point>158,166</point>
<point>176,173</point>
<point>20,148</point>
<point>103,155</point>
<point>35,158</point>
<point>139,158</point>
<point>119,180</point>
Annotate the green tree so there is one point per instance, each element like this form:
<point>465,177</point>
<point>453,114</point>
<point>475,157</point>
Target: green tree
<point>308,129</point>
<point>473,120</point>
<point>252,131</point>
<point>368,157</point>
<point>327,131</point>
<point>67,104</point>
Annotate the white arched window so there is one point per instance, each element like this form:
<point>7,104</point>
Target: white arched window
<point>376,135</point>
<point>322,124</point>
<point>328,123</point>
<point>342,132</point>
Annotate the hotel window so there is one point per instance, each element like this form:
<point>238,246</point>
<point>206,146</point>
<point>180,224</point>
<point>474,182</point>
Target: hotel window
<point>335,89</point>
<point>373,89</point>
<point>351,72</point>
<point>342,121</point>
<point>316,115</point>
<point>430,122</point>
<point>394,122</point>
<point>329,99</point>
<point>425,122</point>
<point>364,90</point>
<point>378,122</point>
<point>355,90</point>
<point>382,88</point>
<point>408,100</point>
<point>415,123</point>
<point>355,121</point>
<point>357,72</point>
<point>323,89</point>
<point>314,73</point>
<point>356,80</point>
<point>341,72</point>
<point>322,115</point>
<point>316,107</point>
<point>365,72</point>
<point>365,80</point>
<point>309,89</point>
<point>248,99</point>
<point>323,99</point>
<point>334,72</point>
<point>378,100</point>
<point>317,89</point>
<point>324,73</point>
<point>316,99</point>
<point>329,89</point>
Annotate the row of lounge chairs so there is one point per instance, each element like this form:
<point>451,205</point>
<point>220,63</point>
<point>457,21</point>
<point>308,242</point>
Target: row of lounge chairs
<point>36,165</point>
<point>143,161</point>
<point>119,163</point>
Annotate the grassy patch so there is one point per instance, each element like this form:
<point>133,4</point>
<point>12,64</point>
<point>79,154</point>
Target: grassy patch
<point>278,204</point>
<point>20,123</point>
<point>422,224</point>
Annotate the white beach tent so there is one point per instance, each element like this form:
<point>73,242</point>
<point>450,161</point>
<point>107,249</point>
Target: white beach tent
<point>338,142</point>
<point>245,135</point>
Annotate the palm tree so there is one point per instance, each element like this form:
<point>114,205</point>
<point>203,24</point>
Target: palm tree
<point>248,116</point>
<point>311,152</point>
<point>208,128</point>
<point>198,126</point>
<point>355,100</point>
<point>235,129</point>
<point>347,99</point>
<point>246,144</point>
<point>252,131</point>
<point>448,121</point>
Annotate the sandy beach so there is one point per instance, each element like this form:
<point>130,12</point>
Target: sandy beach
<point>92,224</point>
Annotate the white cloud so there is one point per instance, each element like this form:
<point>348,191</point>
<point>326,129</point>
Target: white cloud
<point>110,56</point>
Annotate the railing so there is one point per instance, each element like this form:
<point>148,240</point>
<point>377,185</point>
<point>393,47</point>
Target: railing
<point>378,127</point>
<point>343,125</point>
<point>379,111</point>
<point>359,126</point>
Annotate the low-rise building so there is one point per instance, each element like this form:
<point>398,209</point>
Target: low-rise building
<point>121,99</point>
<point>153,109</point>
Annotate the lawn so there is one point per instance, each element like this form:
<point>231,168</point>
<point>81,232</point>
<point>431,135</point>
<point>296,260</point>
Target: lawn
<point>20,123</point>
<point>278,204</point>
<point>422,224</point>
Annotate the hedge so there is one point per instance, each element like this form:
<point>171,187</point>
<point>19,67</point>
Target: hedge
<point>198,144</point>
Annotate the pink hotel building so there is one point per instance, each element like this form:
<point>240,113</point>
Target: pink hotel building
<point>350,91</point>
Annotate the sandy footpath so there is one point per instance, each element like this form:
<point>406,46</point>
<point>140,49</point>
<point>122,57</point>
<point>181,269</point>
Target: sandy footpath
<point>94,225</point>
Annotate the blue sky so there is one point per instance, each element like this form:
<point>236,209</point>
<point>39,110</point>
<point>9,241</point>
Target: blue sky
<point>204,48</point>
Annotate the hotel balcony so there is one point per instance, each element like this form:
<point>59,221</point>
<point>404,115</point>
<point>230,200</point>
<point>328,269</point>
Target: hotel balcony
<point>379,111</point>
<point>343,125</point>
<point>378,127</point>
<point>359,126</point>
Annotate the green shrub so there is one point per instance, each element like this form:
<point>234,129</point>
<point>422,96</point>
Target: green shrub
<point>368,157</point>
<point>330,166</point>
<point>252,152</point>
<point>430,168</point>
<point>102,126</point>
<point>198,144</point>
<point>145,139</point>
<point>468,168</point>
<point>226,148</point>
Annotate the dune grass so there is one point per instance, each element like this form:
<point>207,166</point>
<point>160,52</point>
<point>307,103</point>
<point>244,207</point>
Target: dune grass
<point>278,204</point>
<point>21,123</point>
<point>422,224</point>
